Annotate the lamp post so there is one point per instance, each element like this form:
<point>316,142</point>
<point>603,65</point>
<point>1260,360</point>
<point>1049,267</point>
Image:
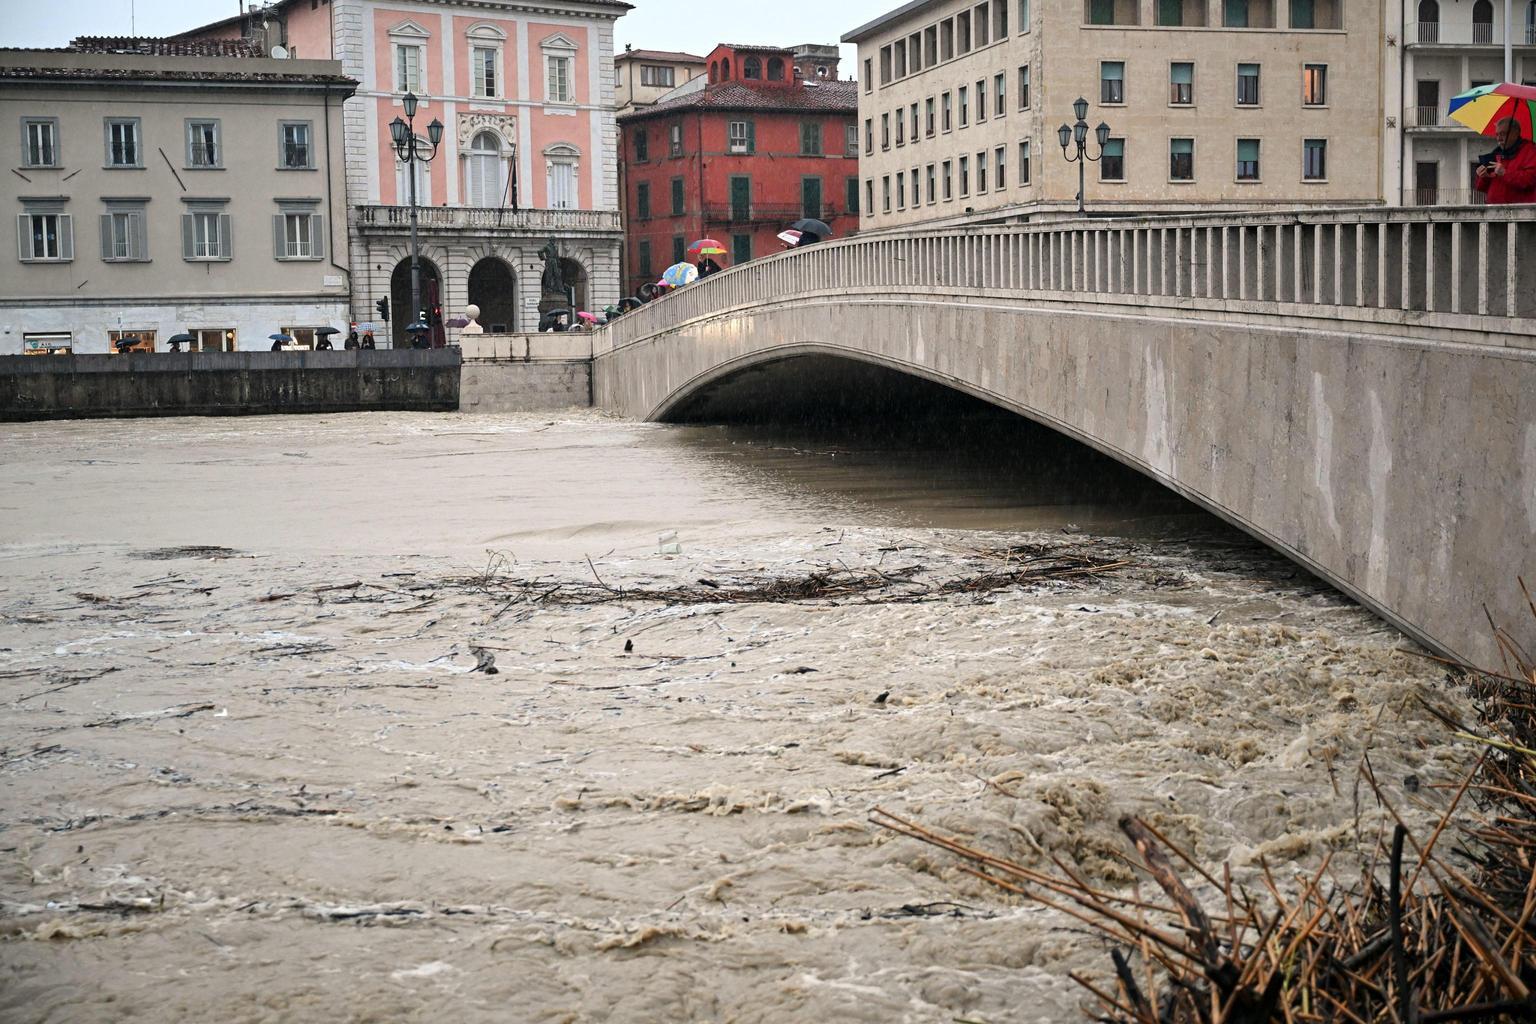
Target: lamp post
<point>403,134</point>
<point>1078,133</point>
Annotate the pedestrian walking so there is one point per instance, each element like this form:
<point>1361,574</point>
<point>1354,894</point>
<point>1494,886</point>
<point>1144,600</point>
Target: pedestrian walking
<point>707,267</point>
<point>1510,177</point>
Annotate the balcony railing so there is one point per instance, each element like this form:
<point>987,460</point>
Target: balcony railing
<point>465,218</point>
<point>1482,33</point>
<point>1443,197</point>
<point>759,213</point>
<point>1427,32</point>
<point>1430,33</point>
<point>1424,117</point>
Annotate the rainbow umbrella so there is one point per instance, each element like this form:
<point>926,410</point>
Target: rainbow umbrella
<point>1482,109</point>
<point>679,274</point>
<point>706,247</point>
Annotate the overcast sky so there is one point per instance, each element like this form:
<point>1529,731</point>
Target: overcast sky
<point>693,26</point>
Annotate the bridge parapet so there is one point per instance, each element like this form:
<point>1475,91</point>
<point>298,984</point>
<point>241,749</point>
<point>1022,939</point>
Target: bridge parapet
<point>1447,274</point>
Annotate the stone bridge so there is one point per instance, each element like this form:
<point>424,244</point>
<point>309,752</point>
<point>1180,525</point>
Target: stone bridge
<point>1356,389</point>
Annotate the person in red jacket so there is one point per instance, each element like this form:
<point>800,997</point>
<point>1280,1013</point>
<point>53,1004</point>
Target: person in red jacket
<point>1511,176</point>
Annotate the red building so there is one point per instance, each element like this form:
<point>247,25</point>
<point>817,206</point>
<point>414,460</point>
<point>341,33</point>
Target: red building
<point>752,149</point>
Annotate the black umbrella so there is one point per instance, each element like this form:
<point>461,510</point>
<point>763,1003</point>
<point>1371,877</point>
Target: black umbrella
<point>181,339</point>
<point>325,332</point>
<point>812,226</point>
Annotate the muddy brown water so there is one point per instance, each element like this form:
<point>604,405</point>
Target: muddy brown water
<point>230,793</point>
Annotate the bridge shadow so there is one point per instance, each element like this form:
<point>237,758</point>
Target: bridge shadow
<point>929,454</point>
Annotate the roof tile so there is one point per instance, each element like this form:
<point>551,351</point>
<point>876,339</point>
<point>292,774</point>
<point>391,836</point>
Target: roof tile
<point>829,97</point>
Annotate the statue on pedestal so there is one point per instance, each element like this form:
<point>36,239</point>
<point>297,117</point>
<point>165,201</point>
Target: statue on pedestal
<point>555,293</point>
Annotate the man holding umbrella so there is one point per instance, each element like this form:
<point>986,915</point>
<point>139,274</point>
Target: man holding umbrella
<point>703,251</point>
<point>1510,177</point>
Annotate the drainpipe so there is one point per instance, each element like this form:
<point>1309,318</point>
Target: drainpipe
<point>1509,40</point>
<point>1402,106</point>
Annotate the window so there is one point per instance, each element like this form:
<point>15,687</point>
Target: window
<point>294,150</point>
<point>643,201</point>
<point>1247,85</point>
<point>915,52</point>
<point>851,143</point>
<point>933,184</point>
<point>1024,163</point>
<point>741,249</point>
<point>675,140</point>
<point>1235,14</point>
<point>408,63</point>
<point>1181,159</point>
<point>949,188</point>
<point>1181,84</point>
<point>203,148</point>
<point>851,188</point>
<point>647,267</point>
<point>1247,159</point>
<point>41,136</point>
<point>914,122</point>
<point>740,137</point>
<point>558,68</point>
<point>136,341</point>
<point>679,249</point>
<point>123,142</point>
<point>917,190</point>
<point>741,198</point>
<point>946,39</point>
<point>1314,160</point>
<point>899,58</point>
<point>810,139</point>
<point>642,145</point>
<point>205,235</point>
<point>775,69</point>
<point>928,108</point>
<point>869,135</point>
<point>810,198</point>
<point>45,236</point>
<point>1002,19</point>
<point>931,45</point>
<point>1304,16</point>
<point>1112,163</point>
<point>658,76</point>
<point>869,195</point>
<point>885,66</point>
<point>983,23</point>
<point>963,30</point>
<point>1112,82</point>
<point>999,169</point>
<point>1170,12</point>
<point>298,236</point>
<point>483,61</point>
<point>1024,87</point>
<point>303,337</point>
<point>999,90</point>
<point>752,69</point>
<point>47,344</point>
<point>677,197</point>
<point>1101,12</point>
<point>885,191</point>
<point>981,172</point>
<point>1314,85</point>
<point>561,169</point>
<point>885,131</point>
<point>482,170</point>
<point>212,339</point>
<point>1023,15</point>
<point>901,128</point>
<point>948,119</point>
<point>901,191</point>
<point>123,236</point>
<point>965,106</point>
<point>981,100</point>
<point>965,176</point>
<point>869,75</point>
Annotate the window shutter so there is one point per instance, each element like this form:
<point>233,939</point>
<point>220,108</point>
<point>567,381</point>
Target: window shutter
<point>106,236</point>
<point>188,237</point>
<point>279,250</point>
<point>23,236</point>
<point>66,236</point>
<point>751,136</point>
<point>140,236</point>
<point>317,235</point>
<point>225,246</point>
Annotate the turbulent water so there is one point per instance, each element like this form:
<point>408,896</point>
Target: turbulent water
<point>248,771</point>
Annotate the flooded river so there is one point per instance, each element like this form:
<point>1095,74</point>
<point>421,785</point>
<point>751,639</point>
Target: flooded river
<point>248,771</point>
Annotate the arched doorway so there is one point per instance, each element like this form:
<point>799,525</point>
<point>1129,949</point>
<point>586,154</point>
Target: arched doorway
<point>493,287</point>
<point>400,298</point>
<point>576,279</point>
<point>1482,22</point>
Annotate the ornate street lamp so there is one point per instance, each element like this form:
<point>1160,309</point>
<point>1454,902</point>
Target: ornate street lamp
<point>1078,133</point>
<point>410,151</point>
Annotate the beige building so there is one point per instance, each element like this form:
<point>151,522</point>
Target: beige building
<point>1225,103</point>
<point>641,77</point>
<point>1448,47</point>
<point>162,188</point>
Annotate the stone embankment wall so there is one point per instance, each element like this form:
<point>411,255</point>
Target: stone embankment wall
<point>506,373</point>
<point>227,383</point>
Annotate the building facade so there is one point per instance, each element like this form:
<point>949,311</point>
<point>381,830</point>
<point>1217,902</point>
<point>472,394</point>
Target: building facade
<point>739,160</point>
<point>1448,47</point>
<point>162,188</point>
<point>525,93</point>
<point>641,77</point>
<point>1210,103</point>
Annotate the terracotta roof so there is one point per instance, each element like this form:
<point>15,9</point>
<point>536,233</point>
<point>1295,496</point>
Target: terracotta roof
<point>824,96</point>
<point>757,48</point>
<point>169,75</point>
<point>660,55</point>
<point>159,47</point>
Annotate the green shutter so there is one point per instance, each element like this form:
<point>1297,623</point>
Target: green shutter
<point>751,137</point>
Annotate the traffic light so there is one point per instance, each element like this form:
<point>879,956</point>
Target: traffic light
<point>383,307</point>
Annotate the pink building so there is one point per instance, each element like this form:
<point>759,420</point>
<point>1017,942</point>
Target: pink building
<point>525,92</point>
